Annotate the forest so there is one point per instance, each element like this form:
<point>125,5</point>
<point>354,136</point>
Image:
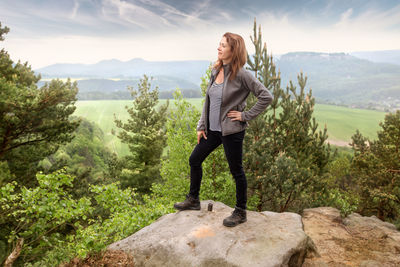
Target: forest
<point>63,194</point>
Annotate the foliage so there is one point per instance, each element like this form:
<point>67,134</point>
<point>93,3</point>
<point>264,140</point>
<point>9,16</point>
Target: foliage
<point>127,215</point>
<point>4,30</point>
<point>344,201</point>
<point>5,174</point>
<point>376,170</point>
<point>339,186</point>
<point>180,133</point>
<point>41,213</point>
<point>33,121</point>
<point>56,226</point>
<point>145,135</point>
<point>85,157</point>
<point>285,154</point>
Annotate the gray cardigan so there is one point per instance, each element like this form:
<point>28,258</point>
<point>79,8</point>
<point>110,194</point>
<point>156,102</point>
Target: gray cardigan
<point>234,94</point>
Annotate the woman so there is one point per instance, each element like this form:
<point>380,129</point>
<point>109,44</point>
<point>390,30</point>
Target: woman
<point>224,120</point>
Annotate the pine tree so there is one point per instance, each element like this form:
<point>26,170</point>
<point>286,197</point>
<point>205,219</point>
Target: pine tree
<point>375,169</point>
<point>285,154</point>
<point>33,121</point>
<point>145,135</point>
<point>3,31</point>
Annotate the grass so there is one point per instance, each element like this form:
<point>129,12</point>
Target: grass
<point>102,113</point>
<point>341,122</point>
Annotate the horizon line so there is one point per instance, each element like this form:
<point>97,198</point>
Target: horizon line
<point>211,61</point>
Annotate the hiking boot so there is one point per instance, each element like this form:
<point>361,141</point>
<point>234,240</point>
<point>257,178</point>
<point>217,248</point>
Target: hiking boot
<point>190,203</point>
<point>238,216</point>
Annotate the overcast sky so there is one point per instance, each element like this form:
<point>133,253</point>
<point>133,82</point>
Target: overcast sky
<point>45,32</point>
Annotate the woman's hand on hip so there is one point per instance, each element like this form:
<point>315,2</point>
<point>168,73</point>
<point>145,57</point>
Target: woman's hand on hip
<point>201,134</point>
<point>235,115</point>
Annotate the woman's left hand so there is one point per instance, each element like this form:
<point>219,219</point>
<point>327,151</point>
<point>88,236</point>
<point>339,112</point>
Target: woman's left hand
<point>235,115</point>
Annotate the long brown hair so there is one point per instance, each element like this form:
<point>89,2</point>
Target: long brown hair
<point>239,53</point>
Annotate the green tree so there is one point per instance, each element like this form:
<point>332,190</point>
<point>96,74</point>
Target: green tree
<point>285,154</point>
<point>145,135</point>
<point>376,170</point>
<point>33,121</point>
<point>3,31</point>
<point>41,214</point>
<point>53,226</point>
<point>340,189</point>
<point>85,157</point>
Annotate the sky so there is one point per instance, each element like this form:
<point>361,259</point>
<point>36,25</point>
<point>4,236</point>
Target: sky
<point>45,32</point>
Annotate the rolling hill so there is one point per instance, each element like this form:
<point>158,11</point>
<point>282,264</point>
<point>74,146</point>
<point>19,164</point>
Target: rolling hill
<point>384,56</point>
<point>335,78</point>
<point>190,70</point>
<point>340,78</point>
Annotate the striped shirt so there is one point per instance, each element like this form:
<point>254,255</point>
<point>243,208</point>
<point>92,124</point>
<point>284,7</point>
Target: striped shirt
<point>215,93</point>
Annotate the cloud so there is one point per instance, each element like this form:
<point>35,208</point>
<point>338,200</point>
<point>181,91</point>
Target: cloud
<point>92,30</point>
<point>129,13</point>
<point>345,16</point>
<point>149,15</point>
<point>371,29</point>
<point>371,19</point>
<point>75,9</point>
<point>76,49</point>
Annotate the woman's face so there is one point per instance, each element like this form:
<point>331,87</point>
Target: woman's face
<point>224,51</point>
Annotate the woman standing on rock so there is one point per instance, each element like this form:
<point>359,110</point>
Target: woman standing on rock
<point>224,120</point>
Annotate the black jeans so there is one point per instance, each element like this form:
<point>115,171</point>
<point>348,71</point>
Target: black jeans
<point>233,147</point>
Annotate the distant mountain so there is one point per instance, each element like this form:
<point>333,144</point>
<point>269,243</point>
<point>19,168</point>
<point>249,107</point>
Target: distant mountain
<point>386,56</point>
<point>344,79</point>
<point>190,70</point>
<point>90,89</point>
<point>336,78</point>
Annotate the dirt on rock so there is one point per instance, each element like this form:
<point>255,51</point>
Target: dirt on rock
<point>103,259</point>
<point>353,241</point>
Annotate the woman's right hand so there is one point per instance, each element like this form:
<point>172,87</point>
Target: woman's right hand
<point>201,134</point>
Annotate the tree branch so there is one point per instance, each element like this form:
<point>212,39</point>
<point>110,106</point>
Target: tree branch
<point>15,253</point>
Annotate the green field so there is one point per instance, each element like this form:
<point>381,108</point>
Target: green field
<point>341,122</point>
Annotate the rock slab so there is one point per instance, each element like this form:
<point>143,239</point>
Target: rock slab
<point>353,241</point>
<point>198,238</point>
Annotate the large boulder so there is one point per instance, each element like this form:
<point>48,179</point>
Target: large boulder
<point>198,238</point>
<point>353,241</point>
